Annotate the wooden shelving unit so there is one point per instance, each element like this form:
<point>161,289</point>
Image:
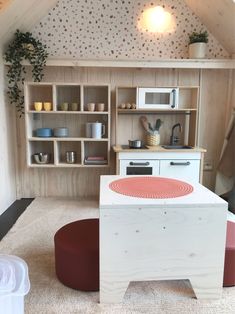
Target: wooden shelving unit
<point>75,121</point>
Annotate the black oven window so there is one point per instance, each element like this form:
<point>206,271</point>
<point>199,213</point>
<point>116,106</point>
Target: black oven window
<point>139,170</point>
<point>157,98</point>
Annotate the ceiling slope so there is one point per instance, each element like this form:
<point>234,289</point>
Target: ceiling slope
<point>219,17</point>
<point>22,15</point>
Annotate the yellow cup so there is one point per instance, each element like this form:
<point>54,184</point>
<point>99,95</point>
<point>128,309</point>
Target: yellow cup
<point>38,106</point>
<point>47,106</point>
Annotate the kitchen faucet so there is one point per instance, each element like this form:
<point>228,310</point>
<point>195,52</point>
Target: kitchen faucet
<point>174,139</point>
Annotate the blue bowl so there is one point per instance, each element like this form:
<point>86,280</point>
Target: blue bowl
<point>61,132</point>
<point>44,132</point>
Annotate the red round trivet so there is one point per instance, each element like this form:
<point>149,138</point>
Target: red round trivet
<point>151,187</point>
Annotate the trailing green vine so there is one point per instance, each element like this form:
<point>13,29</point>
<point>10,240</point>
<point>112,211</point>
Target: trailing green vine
<point>23,47</point>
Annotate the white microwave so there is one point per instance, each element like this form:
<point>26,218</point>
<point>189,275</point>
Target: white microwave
<point>157,98</point>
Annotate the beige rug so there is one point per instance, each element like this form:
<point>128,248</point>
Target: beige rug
<point>31,238</point>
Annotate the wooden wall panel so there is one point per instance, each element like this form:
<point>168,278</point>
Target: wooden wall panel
<point>144,77</point>
<point>188,77</point>
<point>214,95</point>
<point>7,148</point>
<point>166,77</point>
<point>232,101</point>
<point>85,182</point>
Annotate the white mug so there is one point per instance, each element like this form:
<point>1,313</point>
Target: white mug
<point>97,130</point>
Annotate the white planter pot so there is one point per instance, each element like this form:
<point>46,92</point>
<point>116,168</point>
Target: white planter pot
<point>197,50</point>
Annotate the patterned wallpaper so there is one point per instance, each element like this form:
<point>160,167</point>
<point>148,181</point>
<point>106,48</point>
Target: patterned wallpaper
<point>107,29</point>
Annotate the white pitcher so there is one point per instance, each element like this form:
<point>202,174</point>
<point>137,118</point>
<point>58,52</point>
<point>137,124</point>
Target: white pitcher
<point>97,130</point>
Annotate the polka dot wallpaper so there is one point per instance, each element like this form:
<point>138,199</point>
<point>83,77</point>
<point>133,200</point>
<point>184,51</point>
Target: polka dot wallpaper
<point>108,29</point>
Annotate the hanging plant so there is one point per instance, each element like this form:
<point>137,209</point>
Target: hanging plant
<point>23,47</point>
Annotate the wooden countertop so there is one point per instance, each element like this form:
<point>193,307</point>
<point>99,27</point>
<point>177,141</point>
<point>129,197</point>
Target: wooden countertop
<point>160,149</point>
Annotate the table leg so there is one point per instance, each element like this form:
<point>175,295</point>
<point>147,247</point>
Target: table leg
<point>207,286</point>
<point>112,291</point>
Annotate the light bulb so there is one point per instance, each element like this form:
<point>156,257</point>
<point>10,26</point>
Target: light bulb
<point>156,20</point>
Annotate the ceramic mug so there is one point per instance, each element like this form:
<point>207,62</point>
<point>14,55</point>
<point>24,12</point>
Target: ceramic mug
<point>38,106</point>
<point>74,106</point>
<point>64,106</point>
<point>100,107</point>
<point>91,106</point>
<point>47,106</point>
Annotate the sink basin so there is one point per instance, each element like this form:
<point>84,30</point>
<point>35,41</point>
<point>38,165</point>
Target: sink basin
<point>177,147</point>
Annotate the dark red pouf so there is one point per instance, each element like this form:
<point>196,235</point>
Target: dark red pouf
<point>229,262</point>
<point>77,255</point>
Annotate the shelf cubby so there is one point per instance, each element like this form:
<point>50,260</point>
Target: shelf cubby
<point>68,146</point>
<point>96,149</point>
<point>35,147</point>
<point>95,94</point>
<point>37,92</point>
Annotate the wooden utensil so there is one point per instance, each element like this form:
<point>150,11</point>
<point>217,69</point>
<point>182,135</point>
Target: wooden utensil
<point>144,122</point>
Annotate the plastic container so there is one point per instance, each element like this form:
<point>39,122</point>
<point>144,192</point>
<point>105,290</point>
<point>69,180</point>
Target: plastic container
<point>14,284</point>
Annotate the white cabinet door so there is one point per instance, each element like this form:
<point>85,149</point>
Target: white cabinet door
<point>188,170</point>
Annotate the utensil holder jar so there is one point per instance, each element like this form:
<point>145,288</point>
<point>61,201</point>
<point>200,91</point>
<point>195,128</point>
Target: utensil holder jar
<point>153,139</point>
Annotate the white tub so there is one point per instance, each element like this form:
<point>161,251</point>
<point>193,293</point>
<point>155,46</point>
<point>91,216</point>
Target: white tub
<point>14,284</point>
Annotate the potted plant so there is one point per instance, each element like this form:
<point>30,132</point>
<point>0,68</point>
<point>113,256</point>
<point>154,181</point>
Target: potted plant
<point>153,135</point>
<point>197,45</point>
<point>23,47</point>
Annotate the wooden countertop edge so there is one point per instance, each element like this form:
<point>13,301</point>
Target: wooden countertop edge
<point>159,149</point>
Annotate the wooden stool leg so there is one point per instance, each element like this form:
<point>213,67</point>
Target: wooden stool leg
<point>112,291</point>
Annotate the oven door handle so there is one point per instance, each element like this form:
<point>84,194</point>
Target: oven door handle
<point>187,163</point>
<point>174,98</point>
<point>132,163</point>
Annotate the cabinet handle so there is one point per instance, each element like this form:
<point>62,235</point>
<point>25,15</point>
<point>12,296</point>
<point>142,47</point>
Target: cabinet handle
<point>187,163</point>
<point>139,163</point>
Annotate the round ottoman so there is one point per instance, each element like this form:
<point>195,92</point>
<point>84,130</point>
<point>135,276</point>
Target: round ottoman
<point>77,254</point>
<point>229,262</point>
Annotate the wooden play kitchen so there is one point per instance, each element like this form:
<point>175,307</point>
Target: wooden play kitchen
<point>159,115</point>
<point>160,229</point>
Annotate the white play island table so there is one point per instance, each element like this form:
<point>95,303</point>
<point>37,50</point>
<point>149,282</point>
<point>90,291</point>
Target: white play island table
<point>144,239</point>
